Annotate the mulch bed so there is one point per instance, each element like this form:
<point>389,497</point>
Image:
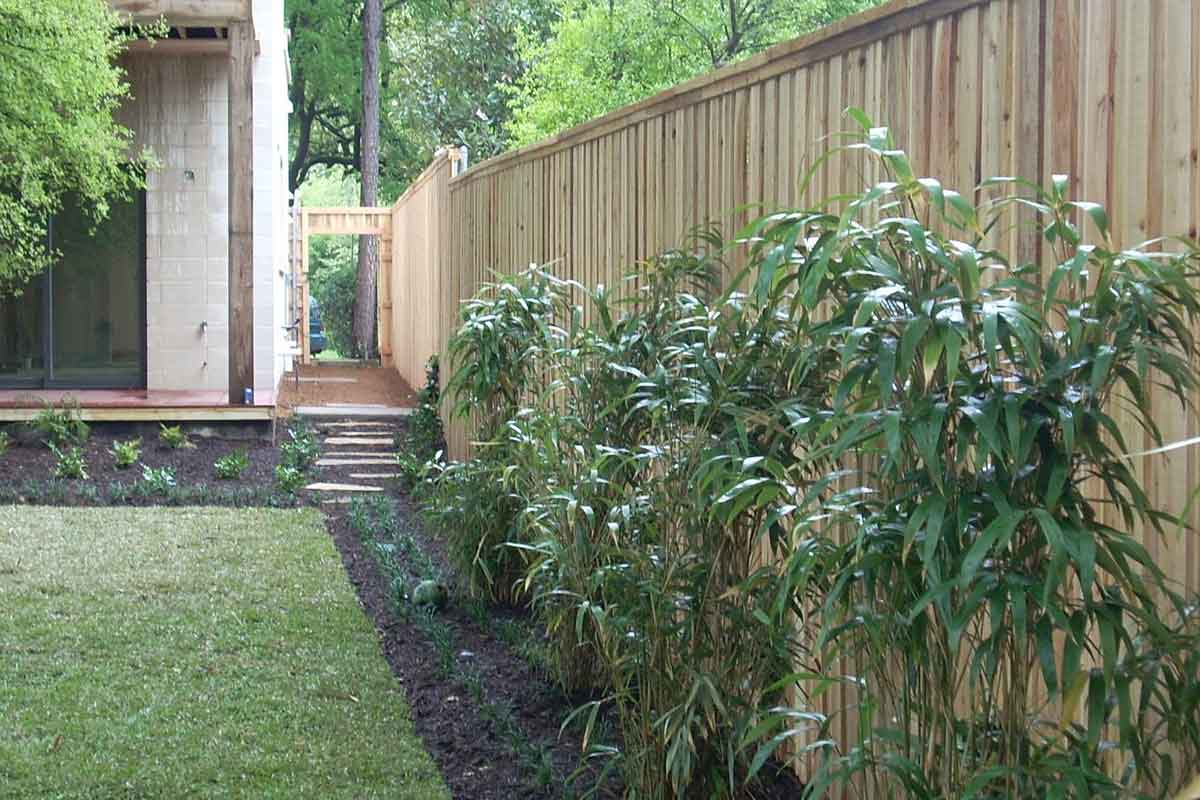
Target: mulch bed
<point>474,762</point>
<point>29,463</point>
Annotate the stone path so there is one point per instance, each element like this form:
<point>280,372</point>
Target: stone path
<point>349,448</point>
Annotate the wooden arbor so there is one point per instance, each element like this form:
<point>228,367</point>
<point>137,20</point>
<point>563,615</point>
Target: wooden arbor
<point>234,17</point>
<point>370,221</point>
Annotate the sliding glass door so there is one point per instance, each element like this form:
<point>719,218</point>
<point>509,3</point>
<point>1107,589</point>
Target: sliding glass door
<point>81,324</point>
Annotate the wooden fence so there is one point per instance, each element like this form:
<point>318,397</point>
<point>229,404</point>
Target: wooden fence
<point>1107,91</point>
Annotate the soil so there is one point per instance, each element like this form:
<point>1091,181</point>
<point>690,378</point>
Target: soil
<point>344,383</point>
<point>29,463</point>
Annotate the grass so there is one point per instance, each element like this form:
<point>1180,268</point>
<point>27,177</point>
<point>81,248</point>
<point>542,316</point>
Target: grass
<point>155,653</point>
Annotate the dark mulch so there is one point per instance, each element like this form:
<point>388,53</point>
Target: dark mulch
<point>27,469</point>
<point>474,761</point>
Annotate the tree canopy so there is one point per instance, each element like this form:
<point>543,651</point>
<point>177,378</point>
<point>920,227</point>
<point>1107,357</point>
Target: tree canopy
<point>601,55</point>
<point>495,74</point>
<point>58,137</point>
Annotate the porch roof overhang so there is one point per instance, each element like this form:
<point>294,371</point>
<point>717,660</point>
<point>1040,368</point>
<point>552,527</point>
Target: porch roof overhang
<point>196,13</point>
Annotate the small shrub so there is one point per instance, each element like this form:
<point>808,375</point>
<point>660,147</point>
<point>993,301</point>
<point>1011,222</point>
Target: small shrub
<point>230,467</point>
<point>62,425</point>
<point>126,453</point>
<point>173,436</point>
<point>425,436</point>
<point>301,449</point>
<point>71,463</point>
<point>288,479</point>
<point>157,481</point>
<point>4,442</point>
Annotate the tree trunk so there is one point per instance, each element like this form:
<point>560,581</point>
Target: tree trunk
<point>368,246</point>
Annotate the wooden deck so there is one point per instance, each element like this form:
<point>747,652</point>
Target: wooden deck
<point>107,405</point>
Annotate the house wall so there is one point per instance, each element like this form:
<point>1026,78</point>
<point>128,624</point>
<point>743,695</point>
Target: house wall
<point>179,109</point>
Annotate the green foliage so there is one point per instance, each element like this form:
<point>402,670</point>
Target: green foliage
<point>601,56</point>
<point>981,566</point>
<point>126,453</point>
<point>57,133</point>
<point>333,282</point>
<point>301,449</point>
<point>157,480</point>
<point>424,438</point>
<point>333,260</point>
<point>63,425</point>
<point>454,71</point>
<point>173,436</point>
<point>289,480</point>
<point>5,442</point>
<point>504,332</point>
<point>443,69</point>
<point>71,464</point>
<point>230,466</point>
<point>888,465</point>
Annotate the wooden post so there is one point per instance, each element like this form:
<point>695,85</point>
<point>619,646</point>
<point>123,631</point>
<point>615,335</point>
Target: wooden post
<point>241,210</point>
<point>305,342</point>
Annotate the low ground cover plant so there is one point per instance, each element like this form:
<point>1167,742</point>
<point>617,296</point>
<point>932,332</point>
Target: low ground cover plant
<point>61,425</point>
<point>71,463</point>
<point>230,467</point>
<point>5,442</point>
<point>289,479</point>
<point>884,463</point>
<point>300,450</point>
<point>156,480</point>
<point>173,436</point>
<point>125,454</point>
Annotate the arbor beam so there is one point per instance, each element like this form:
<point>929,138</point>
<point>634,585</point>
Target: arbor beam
<point>241,211</point>
<point>197,13</point>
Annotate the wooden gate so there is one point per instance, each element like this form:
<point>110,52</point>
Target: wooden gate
<point>368,220</point>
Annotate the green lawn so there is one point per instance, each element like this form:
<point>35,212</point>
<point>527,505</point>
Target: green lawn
<point>178,653</point>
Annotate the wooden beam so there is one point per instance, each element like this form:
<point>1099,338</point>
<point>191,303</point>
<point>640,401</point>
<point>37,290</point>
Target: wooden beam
<point>179,47</point>
<point>184,12</point>
<point>152,414</point>
<point>241,211</point>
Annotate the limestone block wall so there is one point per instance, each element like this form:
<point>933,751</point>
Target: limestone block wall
<point>178,109</point>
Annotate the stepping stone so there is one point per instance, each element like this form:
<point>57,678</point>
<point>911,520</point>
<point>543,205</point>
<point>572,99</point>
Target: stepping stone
<point>356,441</point>
<point>354,462</point>
<point>341,487</point>
<point>357,434</point>
<point>360,424</point>
<point>374,476</point>
<point>352,411</point>
<point>360,454</point>
<point>337,501</point>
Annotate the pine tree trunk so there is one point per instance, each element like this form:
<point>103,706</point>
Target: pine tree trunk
<point>368,246</point>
